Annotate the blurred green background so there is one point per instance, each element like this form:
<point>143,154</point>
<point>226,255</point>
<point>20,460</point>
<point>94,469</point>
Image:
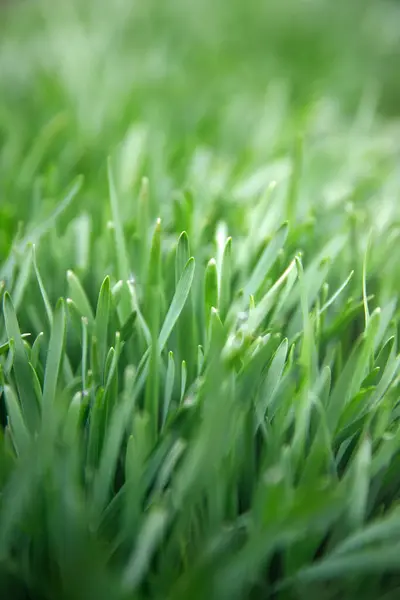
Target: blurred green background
<point>75,76</point>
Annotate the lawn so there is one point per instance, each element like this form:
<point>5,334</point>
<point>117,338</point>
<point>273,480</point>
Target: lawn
<point>199,282</point>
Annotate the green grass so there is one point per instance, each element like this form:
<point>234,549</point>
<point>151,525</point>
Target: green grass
<point>199,362</point>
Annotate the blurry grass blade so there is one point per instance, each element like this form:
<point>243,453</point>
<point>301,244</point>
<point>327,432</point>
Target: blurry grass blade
<point>294,182</point>
<point>364,285</point>
<point>354,372</point>
<point>78,296</point>
<point>45,298</point>
<point>54,359</point>
<point>72,421</point>
<point>263,308</point>
<point>226,279</point>
<point>22,280</point>
<point>182,255</point>
<point>36,348</point>
<point>147,543</point>
<point>75,317</point>
<point>266,261</point>
<point>210,289</point>
<point>200,360</point>
<point>84,352</point>
<point>19,431</point>
<point>183,379</point>
<point>128,327</point>
<point>37,233</point>
<point>37,387</point>
<point>178,302</point>
<point>169,386</point>
<point>102,319</point>
<point>21,367</point>
<point>336,294</point>
<point>122,253</point>
<point>271,385</point>
<point>359,484</point>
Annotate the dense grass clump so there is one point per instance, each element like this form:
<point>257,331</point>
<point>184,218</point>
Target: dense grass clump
<point>199,362</point>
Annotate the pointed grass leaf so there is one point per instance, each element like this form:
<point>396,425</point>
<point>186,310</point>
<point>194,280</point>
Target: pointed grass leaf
<point>225,279</point>
<point>127,328</point>
<point>348,384</point>
<point>102,320</point>
<point>266,261</point>
<point>54,359</point>
<point>21,367</point>
<point>178,302</point>
<point>20,433</point>
<point>120,243</point>
<point>45,298</point>
<point>147,543</point>
<point>79,297</point>
<point>182,255</point>
<point>210,289</point>
<point>169,386</point>
<point>272,381</point>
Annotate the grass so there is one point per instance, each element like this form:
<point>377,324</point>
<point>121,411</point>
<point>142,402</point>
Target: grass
<point>199,362</point>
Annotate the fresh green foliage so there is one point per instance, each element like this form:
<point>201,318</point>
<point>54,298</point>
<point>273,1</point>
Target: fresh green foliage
<point>199,357</point>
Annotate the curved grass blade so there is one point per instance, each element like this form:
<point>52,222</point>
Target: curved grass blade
<point>178,302</point>
<point>102,319</point>
<point>22,371</point>
<point>19,431</point>
<point>266,261</point>
<point>54,360</point>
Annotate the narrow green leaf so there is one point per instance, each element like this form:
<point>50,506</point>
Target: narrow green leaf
<point>21,367</point>
<point>20,433</point>
<point>45,298</point>
<point>169,386</point>
<point>147,542</point>
<point>37,387</point>
<point>54,358</point>
<point>102,320</point>
<point>182,255</point>
<point>122,253</point>
<point>354,372</point>
<point>200,360</point>
<point>359,482</point>
<point>262,310</point>
<point>128,327</point>
<point>271,385</point>
<point>72,421</point>
<point>226,279</point>
<point>210,290</point>
<point>266,261</point>
<point>183,380</point>
<point>79,298</point>
<point>178,302</point>
<point>22,280</point>
<point>35,352</point>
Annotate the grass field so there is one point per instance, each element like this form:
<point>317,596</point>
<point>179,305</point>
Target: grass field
<point>199,280</point>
